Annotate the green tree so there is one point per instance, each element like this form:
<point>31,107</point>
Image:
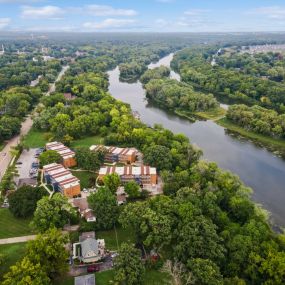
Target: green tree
<point>205,272</point>
<point>89,160</point>
<point>104,204</point>
<point>23,202</point>
<point>49,156</point>
<point>132,189</point>
<point>112,182</point>
<point>128,265</point>
<point>52,212</point>
<point>49,251</point>
<point>26,272</point>
<point>158,156</point>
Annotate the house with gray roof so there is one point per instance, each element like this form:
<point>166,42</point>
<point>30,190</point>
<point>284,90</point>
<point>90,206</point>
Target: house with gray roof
<point>89,249</point>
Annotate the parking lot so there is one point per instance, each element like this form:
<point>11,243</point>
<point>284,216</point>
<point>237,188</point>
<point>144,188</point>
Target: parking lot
<point>24,165</point>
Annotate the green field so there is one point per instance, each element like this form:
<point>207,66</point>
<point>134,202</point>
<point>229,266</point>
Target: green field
<point>84,177</point>
<point>13,253</point>
<point>35,139</point>
<point>88,141</point>
<point>110,237</point>
<point>213,114</point>
<point>12,227</point>
<point>268,141</point>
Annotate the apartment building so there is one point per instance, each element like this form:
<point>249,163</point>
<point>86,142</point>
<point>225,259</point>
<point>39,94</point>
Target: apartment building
<point>117,154</point>
<point>61,179</point>
<point>143,175</point>
<point>67,155</point>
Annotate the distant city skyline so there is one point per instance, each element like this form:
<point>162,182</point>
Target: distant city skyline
<point>142,15</point>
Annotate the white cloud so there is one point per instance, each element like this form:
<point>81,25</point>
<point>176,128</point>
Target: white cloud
<point>272,12</point>
<point>161,23</point>
<point>103,10</point>
<point>4,22</point>
<point>47,12</point>
<point>196,12</point>
<point>109,24</point>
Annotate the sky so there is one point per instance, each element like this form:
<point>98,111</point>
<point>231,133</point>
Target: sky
<point>142,15</point>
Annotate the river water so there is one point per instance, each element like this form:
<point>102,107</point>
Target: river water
<point>258,168</point>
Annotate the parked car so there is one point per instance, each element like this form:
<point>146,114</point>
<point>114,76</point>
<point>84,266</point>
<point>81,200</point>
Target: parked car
<point>85,190</point>
<point>93,268</point>
<point>19,162</point>
<point>35,165</point>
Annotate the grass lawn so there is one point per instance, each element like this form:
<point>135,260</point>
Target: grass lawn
<point>110,237</point>
<point>271,142</point>
<point>35,138</point>
<point>152,277</point>
<point>88,141</point>
<point>13,253</point>
<point>84,177</point>
<point>12,227</point>
<point>213,114</point>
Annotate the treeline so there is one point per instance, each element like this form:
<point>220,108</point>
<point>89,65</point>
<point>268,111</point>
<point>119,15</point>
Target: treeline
<point>270,65</point>
<point>155,73</point>
<point>139,59</point>
<point>15,103</point>
<point>176,95</point>
<point>194,66</point>
<point>258,119</point>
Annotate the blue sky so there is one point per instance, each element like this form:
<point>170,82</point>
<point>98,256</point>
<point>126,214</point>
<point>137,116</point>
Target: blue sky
<point>142,15</point>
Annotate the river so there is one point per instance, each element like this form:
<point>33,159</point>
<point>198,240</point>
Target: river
<point>257,167</point>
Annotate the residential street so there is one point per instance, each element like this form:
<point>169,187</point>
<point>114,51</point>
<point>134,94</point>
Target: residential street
<point>5,155</point>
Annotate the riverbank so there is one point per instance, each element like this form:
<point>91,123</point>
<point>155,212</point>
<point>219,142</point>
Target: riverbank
<point>278,144</point>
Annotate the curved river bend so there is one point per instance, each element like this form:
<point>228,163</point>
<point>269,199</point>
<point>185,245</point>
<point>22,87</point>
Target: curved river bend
<point>257,167</point>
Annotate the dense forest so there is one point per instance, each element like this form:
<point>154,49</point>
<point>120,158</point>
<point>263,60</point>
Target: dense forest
<point>195,68</point>
<point>270,65</point>
<point>258,119</point>
<point>174,94</point>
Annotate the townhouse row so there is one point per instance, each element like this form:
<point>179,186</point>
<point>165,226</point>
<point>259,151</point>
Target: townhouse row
<point>61,180</point>
<point>117,154</point>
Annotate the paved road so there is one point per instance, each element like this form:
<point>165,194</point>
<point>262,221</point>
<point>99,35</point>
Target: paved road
<point>17,239</point>
<point>5,155</point>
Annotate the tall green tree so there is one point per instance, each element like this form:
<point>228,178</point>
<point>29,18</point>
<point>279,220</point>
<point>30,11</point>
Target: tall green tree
<point>129,269</point>
<point>26,272</point>
<point>104,204</point>
<point>49,251</point>
<point>23,202</point>
<point>112,182</point>
<point>49,156</point>
<point>52,212</point>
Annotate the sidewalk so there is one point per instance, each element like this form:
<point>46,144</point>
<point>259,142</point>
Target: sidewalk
<point>17,239</point>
